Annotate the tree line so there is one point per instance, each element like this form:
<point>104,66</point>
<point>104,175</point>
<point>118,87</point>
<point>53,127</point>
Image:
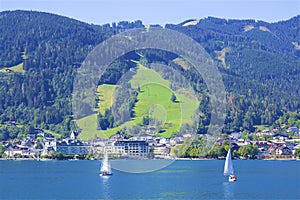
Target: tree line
<point>261,77</point>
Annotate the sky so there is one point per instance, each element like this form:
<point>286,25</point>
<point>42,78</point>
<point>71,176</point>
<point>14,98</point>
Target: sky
<point>160,11</point>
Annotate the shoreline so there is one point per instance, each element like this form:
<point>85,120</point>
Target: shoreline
<point>184,159</point>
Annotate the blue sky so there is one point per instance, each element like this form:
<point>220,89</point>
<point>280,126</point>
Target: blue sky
<point>160,11</point>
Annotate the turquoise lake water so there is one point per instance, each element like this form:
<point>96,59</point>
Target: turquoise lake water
<point>257,179</point>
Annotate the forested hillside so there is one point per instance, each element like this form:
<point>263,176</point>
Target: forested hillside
<point>259,63</point>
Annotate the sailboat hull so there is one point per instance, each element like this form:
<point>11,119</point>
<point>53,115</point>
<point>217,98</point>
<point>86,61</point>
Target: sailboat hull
<point>232,178</point>
<point>105,174</point>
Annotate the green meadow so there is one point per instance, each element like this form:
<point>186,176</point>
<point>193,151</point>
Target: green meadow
<point>105,93</point>
<point>154,101</point>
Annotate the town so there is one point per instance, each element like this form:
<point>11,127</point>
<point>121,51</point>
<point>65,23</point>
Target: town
<point>264,144</point>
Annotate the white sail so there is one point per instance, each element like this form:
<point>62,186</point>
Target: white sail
<point>228,167</point>
<point>105,167</point>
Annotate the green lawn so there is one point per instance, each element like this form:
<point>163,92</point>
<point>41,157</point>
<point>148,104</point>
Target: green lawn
<point>105,93</point>
<point>154,100</point>
<point>261,127</point>
<point>88,126</point>
<point>156,93</point>
<point>145,75</point>
<point>89,130</point>
<point>53,133</point>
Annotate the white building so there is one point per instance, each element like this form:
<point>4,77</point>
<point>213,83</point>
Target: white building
<point>71,147</point>
<point>134,148</point>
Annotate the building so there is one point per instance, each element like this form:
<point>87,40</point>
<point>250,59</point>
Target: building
<point>146,137</point>
<point>71,147</point>
<point>131,148</point>
<point>73,136</point>
<point>161,149</point>
<point>48,146</point>
<point>261,145</point>
<point>48,136</point>
<point>293,129</point>
<point>26,148</point>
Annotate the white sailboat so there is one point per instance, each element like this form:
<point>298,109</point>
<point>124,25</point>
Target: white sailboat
<point>228,168</point>
<point>105,166</point>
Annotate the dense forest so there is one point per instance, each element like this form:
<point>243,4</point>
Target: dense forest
<point>259,62</point>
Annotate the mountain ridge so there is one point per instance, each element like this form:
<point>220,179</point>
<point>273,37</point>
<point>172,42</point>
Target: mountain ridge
<point>262,67</point>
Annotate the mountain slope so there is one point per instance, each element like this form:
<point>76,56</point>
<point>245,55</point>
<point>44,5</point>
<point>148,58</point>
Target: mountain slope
<point>259,63</point>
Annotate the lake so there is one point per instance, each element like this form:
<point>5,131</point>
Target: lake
<point>257,179</point>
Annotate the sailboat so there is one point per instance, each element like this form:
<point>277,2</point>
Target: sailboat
<point>228,168</point>
<point>105,167</point>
